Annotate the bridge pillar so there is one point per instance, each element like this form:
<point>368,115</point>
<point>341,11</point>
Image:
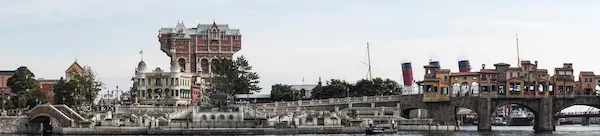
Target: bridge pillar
<point>372,105</point>
<point>484,111</point>
<point>585,121</point>
<point>440,111</point>
<point>337,108</point>
<point>543,118</point>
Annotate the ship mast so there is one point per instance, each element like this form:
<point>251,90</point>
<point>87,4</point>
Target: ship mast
<point>369,62</point>
<point>518,55</point>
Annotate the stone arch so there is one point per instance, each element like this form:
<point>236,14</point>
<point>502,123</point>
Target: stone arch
<point>474,88</point>
<point>181,61</point>
<point>230,117</point>
<point>591,101</point>
<point>531,106</point>
<point>38,118</point>
<point>214,62</point>
<point>455,89</point>
<point>168,93</point>
<point>465,115</point>
<point>213,117</point>
<point>204,65</point>
<point>204,117</point>
<point>221,117</point>
<point>464,88</point>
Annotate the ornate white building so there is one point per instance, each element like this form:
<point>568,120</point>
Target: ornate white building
<point>158,87</point>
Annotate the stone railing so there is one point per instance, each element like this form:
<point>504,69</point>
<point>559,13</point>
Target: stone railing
<point>330,101</point>
<point>148,109</point>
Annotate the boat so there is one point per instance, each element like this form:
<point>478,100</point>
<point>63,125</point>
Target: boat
<point>381,129</point>
<point>520,117</point>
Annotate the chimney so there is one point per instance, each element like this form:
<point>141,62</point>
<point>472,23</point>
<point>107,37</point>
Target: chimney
<point>536,62</point>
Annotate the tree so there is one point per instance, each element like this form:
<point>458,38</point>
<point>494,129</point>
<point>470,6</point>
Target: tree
<point>335,88</point>
<point>235,77</point>
<point>85,85</point>
<point>36,96</point>
<point>281,92</point>
<point>20,84</point>
<point>63,93</point>
<point>376,87</point>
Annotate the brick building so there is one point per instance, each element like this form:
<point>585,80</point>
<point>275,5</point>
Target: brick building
<point>47,85</point>
<point>4,75</point>
<point>196,48</point>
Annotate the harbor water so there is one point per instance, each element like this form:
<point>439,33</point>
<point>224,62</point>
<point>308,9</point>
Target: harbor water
<point>563,130</point>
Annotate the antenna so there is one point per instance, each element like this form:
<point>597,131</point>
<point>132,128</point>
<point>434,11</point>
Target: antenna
<point>369,59</point>
<point>518,55</point>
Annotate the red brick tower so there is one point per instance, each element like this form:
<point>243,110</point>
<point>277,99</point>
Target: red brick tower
<point>195,49</point>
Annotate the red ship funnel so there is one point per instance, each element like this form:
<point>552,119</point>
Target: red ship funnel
<point>464,66</point>
<point>407,74</point>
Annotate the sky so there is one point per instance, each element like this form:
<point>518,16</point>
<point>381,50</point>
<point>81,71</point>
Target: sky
<point>288,41</point>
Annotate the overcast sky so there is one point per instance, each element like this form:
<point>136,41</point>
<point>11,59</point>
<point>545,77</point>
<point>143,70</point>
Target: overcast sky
<point>288,40</point>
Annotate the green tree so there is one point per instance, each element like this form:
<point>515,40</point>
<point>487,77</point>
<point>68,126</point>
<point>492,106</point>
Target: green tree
<point>281,92</point>
<point>21,83</point>
<point>85,85</point>
<point>335,88</point>
<point>36,96</point>
<point>377,87</point>
<point>235,77</point>
<point>63,93</point>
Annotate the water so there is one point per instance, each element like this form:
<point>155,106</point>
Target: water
<point>563,130</point>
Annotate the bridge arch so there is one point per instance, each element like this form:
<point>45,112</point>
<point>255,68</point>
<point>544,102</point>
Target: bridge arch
<point>561,104</point>
<point>48,122</point>
<point>43,113</point>
<point>530,106</point>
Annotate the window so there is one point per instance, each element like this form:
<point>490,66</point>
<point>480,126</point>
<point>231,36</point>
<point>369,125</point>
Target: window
<point>176,81</point>
<point>158,82</point>
<point>493,88</point>
<point>464,78</point>
<point>143,82</point>
<point>445,77</point>
<point>511,74</point>
<point>444,90</point>
<point>568,73</point>
<point>166,81</point>
<point>483,77</point>
<point>172,81</point>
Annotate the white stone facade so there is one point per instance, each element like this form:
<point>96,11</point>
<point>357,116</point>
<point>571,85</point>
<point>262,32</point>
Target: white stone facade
<point>158,87</point>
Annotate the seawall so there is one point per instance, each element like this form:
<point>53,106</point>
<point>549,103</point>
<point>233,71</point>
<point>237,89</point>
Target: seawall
<point>206,131</point>
<point>16,124</point>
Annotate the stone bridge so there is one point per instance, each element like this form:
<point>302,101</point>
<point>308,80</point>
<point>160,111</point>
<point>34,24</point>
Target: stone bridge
<point>59,115</point>
<point>444,112</point>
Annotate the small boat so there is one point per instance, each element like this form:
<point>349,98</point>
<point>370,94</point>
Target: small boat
<point>381,129</point>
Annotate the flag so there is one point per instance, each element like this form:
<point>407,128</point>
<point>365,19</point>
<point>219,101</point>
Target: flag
<point>302,80</point>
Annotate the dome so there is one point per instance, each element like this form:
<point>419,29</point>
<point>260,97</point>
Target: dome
<point>141,66</point>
